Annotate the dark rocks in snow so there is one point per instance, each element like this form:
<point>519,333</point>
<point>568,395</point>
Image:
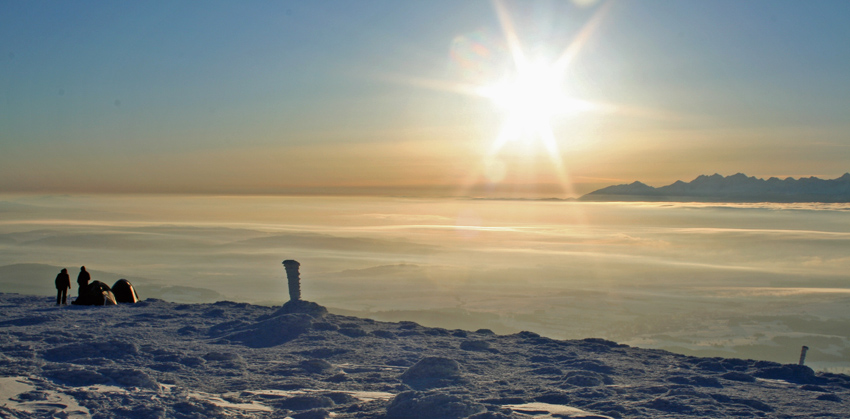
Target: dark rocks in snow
<point>750,403</point>
<point>302,307</point>
<point>110,349</point>
<point>325,326</point>
<point>586,379</point>
<point>341,398</point>
<point>237,360</point>
<point>316,366</point>
<point>554,398</point>
<point>540,359</point>
<point>829,397</point>
<point>338,378</point>
<point>215,313</point>
<point>695,380</point>
<point>304,402</point>
<point>196,409</point>
<point>600,345</point>
<point>546,371</point>
<point>352,331</point>
<point>407,325</point>
<point>792,373</point>
<point>129,377</point>
<point>754,404</point>
<point>671,405</point>
<point>734,364</point>
<point>272,332</point>
<point>496,415</point>
<point>418,405</point>
<point>711,365</point>
<point>312,414</point>
<point>188,330</point>
<point>504,400</point>
<point>385,334</point>
<point>436,331</point>
<point>431,372</point>
<point>75,376</point>
<point>475,345</point>
<point>191,361</point>
<point>588,365</point>
<point>87,376</point>
<point>739,376</point>
<point>222,356</point>
<point>324,352</point>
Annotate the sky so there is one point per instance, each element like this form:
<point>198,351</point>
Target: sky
<point>436,98</point>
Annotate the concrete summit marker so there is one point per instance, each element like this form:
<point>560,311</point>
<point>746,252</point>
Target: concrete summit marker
<point>294,279</point>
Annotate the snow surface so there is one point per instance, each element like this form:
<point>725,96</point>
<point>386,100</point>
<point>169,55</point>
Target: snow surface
<point>157,359</point>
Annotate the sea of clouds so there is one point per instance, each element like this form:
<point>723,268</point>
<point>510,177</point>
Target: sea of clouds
<point>753,280</point>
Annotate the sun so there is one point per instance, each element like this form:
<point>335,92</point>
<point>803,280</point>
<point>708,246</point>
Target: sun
<point>532,95</point>
<point>531,99</point>
<point>536,91</point>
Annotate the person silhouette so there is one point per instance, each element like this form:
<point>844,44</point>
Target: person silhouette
<point>63,283</point>
<point>83,280</point>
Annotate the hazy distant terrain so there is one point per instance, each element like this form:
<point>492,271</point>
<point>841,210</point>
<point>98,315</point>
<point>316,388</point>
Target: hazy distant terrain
<point>737,280</point>
<point>735,188</point>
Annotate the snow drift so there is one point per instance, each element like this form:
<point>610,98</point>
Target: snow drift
<point>158,359</point>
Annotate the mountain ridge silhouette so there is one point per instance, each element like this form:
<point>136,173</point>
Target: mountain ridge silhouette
<point>734,188</point>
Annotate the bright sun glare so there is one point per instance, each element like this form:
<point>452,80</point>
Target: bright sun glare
<point>531,98</point>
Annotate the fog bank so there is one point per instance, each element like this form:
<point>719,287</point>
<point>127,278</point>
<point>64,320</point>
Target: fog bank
<point>752,281</point>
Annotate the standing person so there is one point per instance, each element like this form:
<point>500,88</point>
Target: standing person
<point>83,280</point>
<point>63,283</point>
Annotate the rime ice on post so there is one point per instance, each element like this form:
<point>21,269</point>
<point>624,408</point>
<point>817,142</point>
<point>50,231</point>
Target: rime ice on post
<point>294,278</point>
<point>296,305</point>
<point>803,355</point>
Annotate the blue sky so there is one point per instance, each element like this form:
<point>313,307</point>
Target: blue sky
<point>120,96</point>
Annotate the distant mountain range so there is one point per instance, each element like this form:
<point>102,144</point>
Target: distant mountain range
<point>735,188</point>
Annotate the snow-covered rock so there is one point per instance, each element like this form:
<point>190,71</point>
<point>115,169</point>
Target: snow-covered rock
<point>156,359</point>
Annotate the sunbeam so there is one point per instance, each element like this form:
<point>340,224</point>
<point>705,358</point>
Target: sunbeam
<point>535,93</point>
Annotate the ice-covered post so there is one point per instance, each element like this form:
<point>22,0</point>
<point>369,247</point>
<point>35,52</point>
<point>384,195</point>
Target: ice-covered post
<point>803,355</point>
<point>294,278</point>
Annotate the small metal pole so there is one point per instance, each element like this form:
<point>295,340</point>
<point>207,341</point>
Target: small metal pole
<point>803,355</point>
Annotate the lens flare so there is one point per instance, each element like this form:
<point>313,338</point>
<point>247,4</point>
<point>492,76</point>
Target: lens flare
<point>534,94</point>
<point>530,94</point>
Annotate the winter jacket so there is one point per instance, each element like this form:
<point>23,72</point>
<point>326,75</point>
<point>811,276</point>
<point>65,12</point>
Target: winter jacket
<point>63,281</point>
